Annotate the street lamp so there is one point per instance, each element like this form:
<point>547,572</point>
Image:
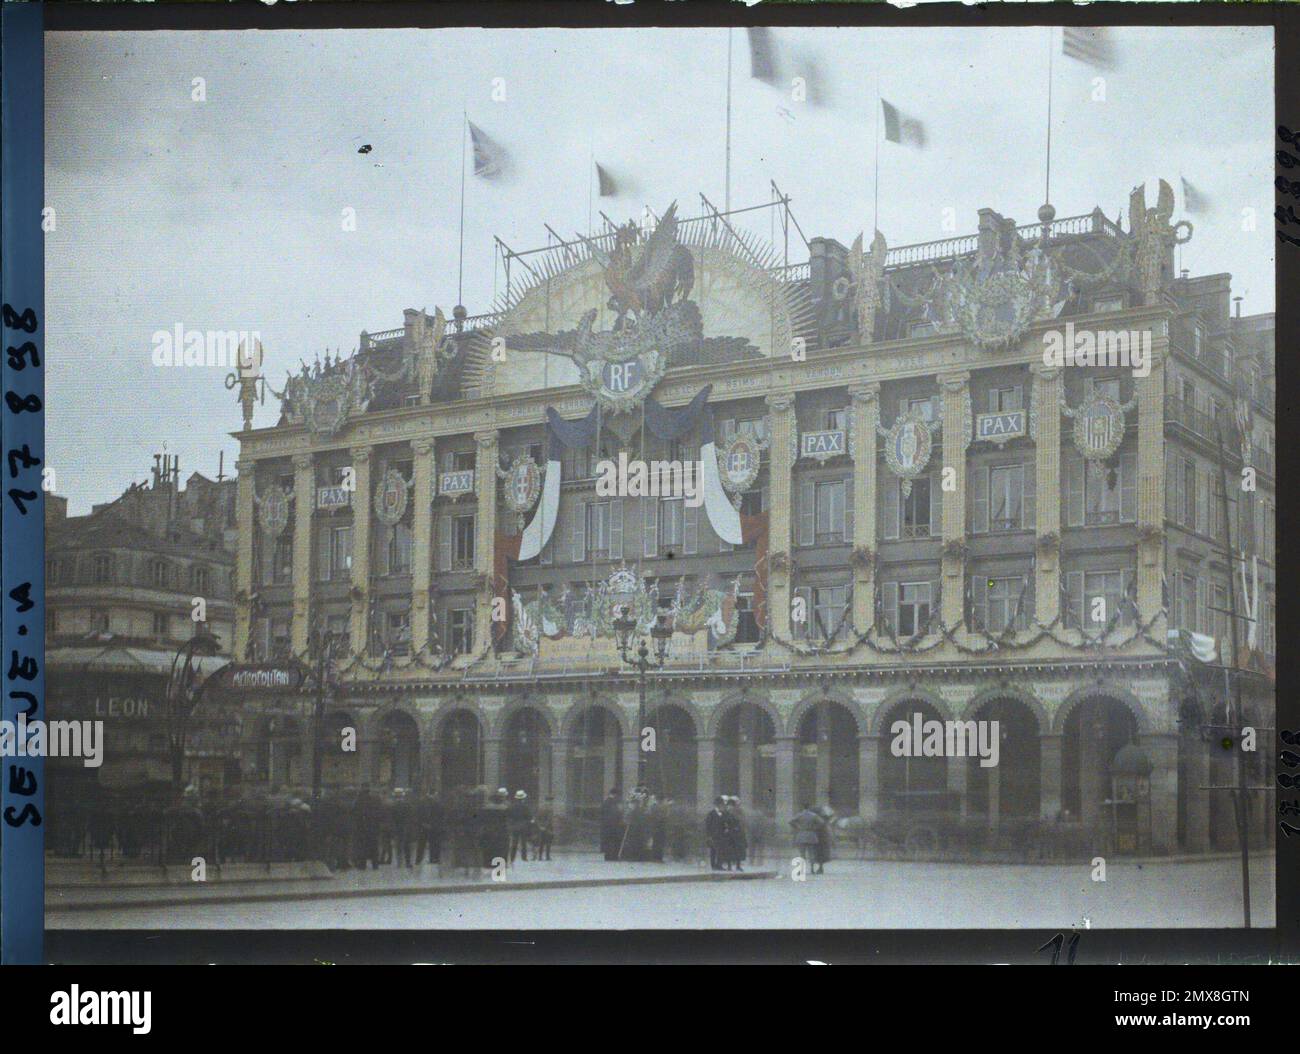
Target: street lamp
<point>641,661</point>
<point>182,698</point>
<point>324,642</point>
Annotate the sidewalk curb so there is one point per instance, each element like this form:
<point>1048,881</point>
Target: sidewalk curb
<point>465,887</point>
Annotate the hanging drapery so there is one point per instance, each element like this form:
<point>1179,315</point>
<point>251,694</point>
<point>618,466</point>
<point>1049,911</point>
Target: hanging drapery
<point>723,516</point>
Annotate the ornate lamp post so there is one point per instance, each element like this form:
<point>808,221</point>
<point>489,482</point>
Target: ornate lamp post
<point>641,661</point>
<point>324,642</point>
<point>182,698</point>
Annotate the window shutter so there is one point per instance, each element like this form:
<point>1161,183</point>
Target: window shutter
<point>1029,498</point>
<point>690,529</point>
<point>890,594</point>
<point>547,555</point>
<point>616,528</point>
<point>1171,486</point>
<point>889,488</point>
<point>444,542</point>
<point>1202,607</point>
<point>807,512</point>
<point>979,601</point>
<point>1202,503</point>
<point>1029,611</point>
<point>1128,487</point>
<point>801,628</point>
<point>1074,491</point>
<point>650,526</point>
<point>1127,605</point>
<point>728,430</point>
<point>848,509</point>
<point>1074,597</point>
<point>936,503</point>
<point>979,497</point>
<point>579,538</point>
<point>323,561</point>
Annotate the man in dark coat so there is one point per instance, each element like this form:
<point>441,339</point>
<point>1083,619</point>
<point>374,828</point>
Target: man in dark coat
<point>544,829</point>
<point>611,826</point>
<point>713,833</point>
<point>495,829</point>
<point>403,827</point>
<point>430,820</point>
<point>520,818</point>
<point>657,815</point>
<point>733,833</point>
<point>367,816</point>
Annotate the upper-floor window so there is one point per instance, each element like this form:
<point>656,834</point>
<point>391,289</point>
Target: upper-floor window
<point>102,569</point>
<point>923,405</point>
<point>460,631</point>
<point>462,543</point>
<point>1005,400</point>
<point>282,561</point>
<point>913,608</point>
<point>1000,602</point>
<point>1105,387</point>
<point>598,529</point>
<point>53,572</point>
<point>161,626</point>
<point>754,427</point>
<point>915,509</point>
<point>158,574</point>
<point>830,506</point>
<point>457,460</point>
<point>830,606</point>
<point>202,579</point>
<point>398,632</point>
<point>1100,493</point>
<point>1006,497</point>
<point>836,420</point>
<point>672,523</point>
<point>1099,600</point>
<point>1197,340</point>
<point>399,550</point>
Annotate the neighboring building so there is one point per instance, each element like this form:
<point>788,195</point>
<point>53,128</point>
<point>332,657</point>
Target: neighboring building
<point>121,589</point>
<point>932,520</point>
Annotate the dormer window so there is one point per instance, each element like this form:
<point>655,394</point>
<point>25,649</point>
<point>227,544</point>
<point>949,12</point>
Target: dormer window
<point>158,574</point>
<point>1196,341</point>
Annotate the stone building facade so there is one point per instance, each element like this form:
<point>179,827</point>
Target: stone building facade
<point>1030,571</point>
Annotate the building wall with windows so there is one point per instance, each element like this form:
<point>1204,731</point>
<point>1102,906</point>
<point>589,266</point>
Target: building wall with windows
<point>1013,577</point>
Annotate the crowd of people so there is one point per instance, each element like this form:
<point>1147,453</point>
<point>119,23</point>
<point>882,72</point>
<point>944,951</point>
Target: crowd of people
<point>470,828</point>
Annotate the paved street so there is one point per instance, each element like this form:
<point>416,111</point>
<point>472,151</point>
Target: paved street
<point>851,895</point>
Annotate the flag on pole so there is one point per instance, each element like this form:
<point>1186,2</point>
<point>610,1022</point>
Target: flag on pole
<point>762,55</point>
<point>610,184</point>
<point>1195,203</point>
<point>1090,45</point>
<point>491,159</point>
<point>900,128</point>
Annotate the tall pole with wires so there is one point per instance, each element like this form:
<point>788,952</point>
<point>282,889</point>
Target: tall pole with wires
<point>726,197</point>
<point>1047,179</point>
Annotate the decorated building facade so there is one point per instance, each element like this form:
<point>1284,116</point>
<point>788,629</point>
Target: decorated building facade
<point>865,494</point>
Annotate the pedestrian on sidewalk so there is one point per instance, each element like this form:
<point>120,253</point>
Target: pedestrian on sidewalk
<point>430,820</point>
<point>611,825</point>
<point>403,823</point>
<point>520,819</point>
<point>544,829</point>
<point>713,833</point>
<point>733,833</point>
<point>495,829</point>
<point>824,833</point>
<point>806,826</point>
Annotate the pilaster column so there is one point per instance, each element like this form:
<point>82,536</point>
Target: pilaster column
<point>492,762</point>
<point>485,481</point>
<point>1047,471</point>
<point>359,631</point>
<point>560,774</point>
<point>1049,775</point>
<point>631,750</point>
<point>866,418</point>
<point>246,531</point>
<point>304,499</point>
<point>705,791</point>
<point>868,777</point>
<point>421,544</point>
<point>781,450</point>
<point>785,749</point>
<point>956,437</point>
<point>1150,392</point>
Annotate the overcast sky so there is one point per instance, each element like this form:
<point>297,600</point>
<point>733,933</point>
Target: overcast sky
<point>226,213</point>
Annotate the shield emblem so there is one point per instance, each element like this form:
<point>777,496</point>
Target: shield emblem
<point>1098,428</point>
<point>523,485</point>
<point>390,499</point>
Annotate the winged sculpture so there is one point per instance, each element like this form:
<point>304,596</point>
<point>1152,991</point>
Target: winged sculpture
<point>646,280</point>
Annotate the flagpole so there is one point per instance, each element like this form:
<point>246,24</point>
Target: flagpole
<point>726,198</point>
<point>1047,186</point>
<point>460,265</point>
<point>875,178</point>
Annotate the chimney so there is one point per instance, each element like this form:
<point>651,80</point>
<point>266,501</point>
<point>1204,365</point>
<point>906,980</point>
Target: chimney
<point>1237,300</point>
<point>989,229</point>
